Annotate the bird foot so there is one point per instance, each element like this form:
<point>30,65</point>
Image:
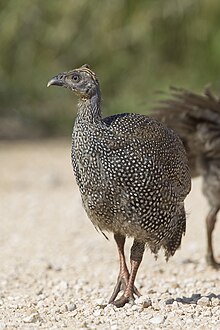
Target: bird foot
<point>212,262</point>
<point>123,300</point>
<point>121,284</point>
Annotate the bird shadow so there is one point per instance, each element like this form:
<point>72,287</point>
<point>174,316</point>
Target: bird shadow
<point>193,300</point>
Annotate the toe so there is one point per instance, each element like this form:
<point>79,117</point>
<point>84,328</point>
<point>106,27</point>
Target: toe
<point>121,301</point>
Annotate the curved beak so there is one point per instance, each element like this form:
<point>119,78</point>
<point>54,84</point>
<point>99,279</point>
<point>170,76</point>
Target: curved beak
<point>58,80</point>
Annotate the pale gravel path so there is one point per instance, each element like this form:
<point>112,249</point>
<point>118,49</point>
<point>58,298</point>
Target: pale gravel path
<point>56,270</point>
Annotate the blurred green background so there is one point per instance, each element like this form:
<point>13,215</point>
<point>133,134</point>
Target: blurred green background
<point>135,47</point>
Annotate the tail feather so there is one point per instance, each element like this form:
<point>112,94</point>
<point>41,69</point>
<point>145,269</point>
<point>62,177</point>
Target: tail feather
<point>189,106</point>
<point>173,241</point>
<point>196,118</point>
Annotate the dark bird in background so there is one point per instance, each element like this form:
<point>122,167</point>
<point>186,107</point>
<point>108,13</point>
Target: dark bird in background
<point>196,118</point>
<point>132,174</point>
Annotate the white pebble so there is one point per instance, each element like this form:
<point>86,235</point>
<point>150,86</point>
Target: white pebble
<point>157,320</point>
<point>204,301</point>
<point>71,307</point>
<point>114,327</point>
<point>40,304</point>
<point>215,302</point>
<point>3,326</point>
<point>33,318</point>
<point>97,312</point>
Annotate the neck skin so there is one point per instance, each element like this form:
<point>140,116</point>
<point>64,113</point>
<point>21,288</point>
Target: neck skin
<point>90,109</point>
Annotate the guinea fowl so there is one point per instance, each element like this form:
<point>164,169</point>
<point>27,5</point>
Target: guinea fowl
<point>132,174</point>
<point>196,118</point>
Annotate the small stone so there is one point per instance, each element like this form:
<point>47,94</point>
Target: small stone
<point>156,306</point>
<point>129,312</point>
<point>114,327</point>
<point>189,320</point>
<point>50,266</point>
<point>165,296</point>
<point>207,312</point>
<point>147,303</point>
<point>157,320</point>
<point>40,291</point>
<point>102,306</point>
<point>180,311</point>
<point>74,313</point>
<point>196,296</point>
<point>143,302</point>
<point>134,307</point>
<point>97,312</point>
<point>63,285</point>
<point>55,310</point>
<point>3,326</point>
<point>33,318</point>
<point>63,308</point>
<point>99,301</point>
<point>41,296</point>
<point>170,301</point>
<point>215,302</point>
<point>175,285</point>
<point>71,307</point>
<point>151,291</point>
<point>175,304</point>
<point>40,304</point>
<point>204,301</point>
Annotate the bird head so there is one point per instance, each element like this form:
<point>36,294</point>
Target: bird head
<point>81,81</point>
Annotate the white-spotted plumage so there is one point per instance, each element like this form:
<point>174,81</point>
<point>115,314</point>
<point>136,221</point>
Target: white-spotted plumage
<point>133,176</point>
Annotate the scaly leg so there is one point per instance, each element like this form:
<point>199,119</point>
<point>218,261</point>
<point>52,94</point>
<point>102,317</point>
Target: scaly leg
<point>210,225</point>
<point>123,276</point>
<point>137,251</point>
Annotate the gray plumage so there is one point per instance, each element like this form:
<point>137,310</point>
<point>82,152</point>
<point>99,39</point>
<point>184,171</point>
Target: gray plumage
<point>196,118</point>
<point>132,173</point>
<point>133,178</point>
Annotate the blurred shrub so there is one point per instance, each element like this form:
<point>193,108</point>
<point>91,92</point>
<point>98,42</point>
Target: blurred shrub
<point>135,47</point>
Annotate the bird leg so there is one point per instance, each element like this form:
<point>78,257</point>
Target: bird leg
<point>123,276</point>
<point>210,225</point>
<point>123,272</point>
<point>137,251</point>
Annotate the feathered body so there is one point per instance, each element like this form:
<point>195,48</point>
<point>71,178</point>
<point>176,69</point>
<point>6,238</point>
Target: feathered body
<point>133,177</point>
<point>196,118</point>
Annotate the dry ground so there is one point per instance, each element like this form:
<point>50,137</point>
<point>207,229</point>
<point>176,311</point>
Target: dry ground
<point>57,271</point>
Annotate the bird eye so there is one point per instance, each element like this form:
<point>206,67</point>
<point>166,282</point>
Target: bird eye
<point>75,77</point>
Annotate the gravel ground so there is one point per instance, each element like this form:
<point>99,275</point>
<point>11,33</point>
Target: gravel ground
<point>58,272</point>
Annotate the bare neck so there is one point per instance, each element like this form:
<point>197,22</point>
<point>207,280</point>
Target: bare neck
<point>90,109</point>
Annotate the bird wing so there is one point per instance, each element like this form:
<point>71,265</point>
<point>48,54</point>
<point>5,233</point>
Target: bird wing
<point>156,149</point>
